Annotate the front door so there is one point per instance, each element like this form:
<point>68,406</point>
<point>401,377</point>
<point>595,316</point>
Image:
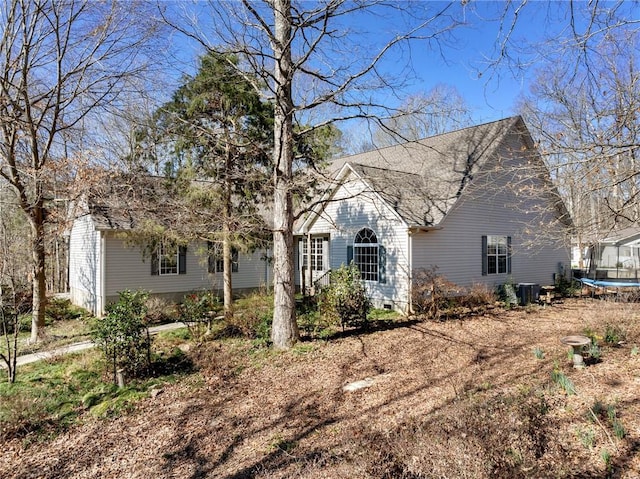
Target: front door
<point>314,259</point>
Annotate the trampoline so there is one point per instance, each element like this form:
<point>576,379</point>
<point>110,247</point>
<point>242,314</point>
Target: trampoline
<point>599,283</point>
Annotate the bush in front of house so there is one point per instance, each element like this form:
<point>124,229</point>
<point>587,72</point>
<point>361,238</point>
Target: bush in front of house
<point>345,300</point>
<point>436,297</point>
<point>432,294</point>
<point>123,335</point>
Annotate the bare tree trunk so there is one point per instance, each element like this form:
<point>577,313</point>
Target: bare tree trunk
<point>39,273</point>
<point>284,330</point>
<point>226,257</point>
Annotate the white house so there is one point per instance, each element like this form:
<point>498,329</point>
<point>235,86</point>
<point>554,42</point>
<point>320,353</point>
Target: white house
<point>102,262</point>
<point>476,203</point>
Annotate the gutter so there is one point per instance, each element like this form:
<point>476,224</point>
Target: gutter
<point>416,228</point>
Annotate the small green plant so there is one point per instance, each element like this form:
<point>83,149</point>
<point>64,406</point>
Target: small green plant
<point>606,458</point>
<point>592,335</point>
<point>123,336</point>
<point>635,351</point>
<point>538,353</point>
<point>608,414</point>
<point>345,300</point>
<point>594,352</point>
<point>559,378</point>
<point>279,444</point>
<point>587,437</point>
<point>614,335</point>
<point>616,425</point>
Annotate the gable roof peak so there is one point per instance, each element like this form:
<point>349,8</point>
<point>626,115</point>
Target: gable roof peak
<point>423,179</point>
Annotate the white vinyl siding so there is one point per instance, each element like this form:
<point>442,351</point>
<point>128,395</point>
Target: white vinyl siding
<point>84,264</point>
<point>343,218</point>
<point>127,269</point>
<point>252,272</point>
<point>491,207</point>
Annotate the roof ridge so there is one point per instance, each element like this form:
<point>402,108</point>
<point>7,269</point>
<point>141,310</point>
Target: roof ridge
<point>421,140</point>
<point>382,169</point>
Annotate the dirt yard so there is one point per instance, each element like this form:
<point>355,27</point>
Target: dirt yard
<point>481,397</point>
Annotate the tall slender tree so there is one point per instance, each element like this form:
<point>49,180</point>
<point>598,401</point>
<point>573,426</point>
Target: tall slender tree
<point>215,137</point>
<point>61,63</point>
<point>315,72</point>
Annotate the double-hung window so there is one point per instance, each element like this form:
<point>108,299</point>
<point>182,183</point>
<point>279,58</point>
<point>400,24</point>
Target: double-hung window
<point>216,260</point>
<point>168,259</point>
<point>496,255</point>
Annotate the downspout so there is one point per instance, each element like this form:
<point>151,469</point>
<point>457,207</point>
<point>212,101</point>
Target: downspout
<point>410,272</point>
<point>309,273</point>
<point>103,274</point>
<point>266,268</point>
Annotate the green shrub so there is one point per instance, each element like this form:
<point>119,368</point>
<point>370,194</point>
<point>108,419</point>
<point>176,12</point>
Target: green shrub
<point>59,309</point>
<point>252,318</point>
<point>507,294</point>
<point>566,287</point>
<point>345,300</point>
<point>123,335</point>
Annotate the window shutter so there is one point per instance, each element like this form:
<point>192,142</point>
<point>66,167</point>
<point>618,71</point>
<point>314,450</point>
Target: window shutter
<point>485,261</point>
<point>234,260</point>
<point>382,264</point>
<point>349,254</point>
<point>301,256</point>
<point>325,254</point>
<point>182,260</point>
<point>155,263</point>
<point>508,254</point>
<point>211,260</point>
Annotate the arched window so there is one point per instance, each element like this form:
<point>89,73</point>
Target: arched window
<point>365,254</point>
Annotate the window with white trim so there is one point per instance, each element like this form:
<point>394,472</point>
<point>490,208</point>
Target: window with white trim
<point>168,259</point>
<point>366,255</point>
<point>496,255</point>
<point>216,259</point>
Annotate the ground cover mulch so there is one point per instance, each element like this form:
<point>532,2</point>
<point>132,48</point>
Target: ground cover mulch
<point>447,399</point>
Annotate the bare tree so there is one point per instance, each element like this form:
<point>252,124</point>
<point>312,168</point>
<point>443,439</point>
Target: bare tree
<point>440,110</point>
<point>14,264</point>
<point>62,63</point>
<point>316,71</point>
<point>583,110</point>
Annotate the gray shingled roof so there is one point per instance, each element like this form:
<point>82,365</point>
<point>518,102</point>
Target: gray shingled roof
<point>127,201</point>
<point>623,236</point>
<point>423,179</point>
